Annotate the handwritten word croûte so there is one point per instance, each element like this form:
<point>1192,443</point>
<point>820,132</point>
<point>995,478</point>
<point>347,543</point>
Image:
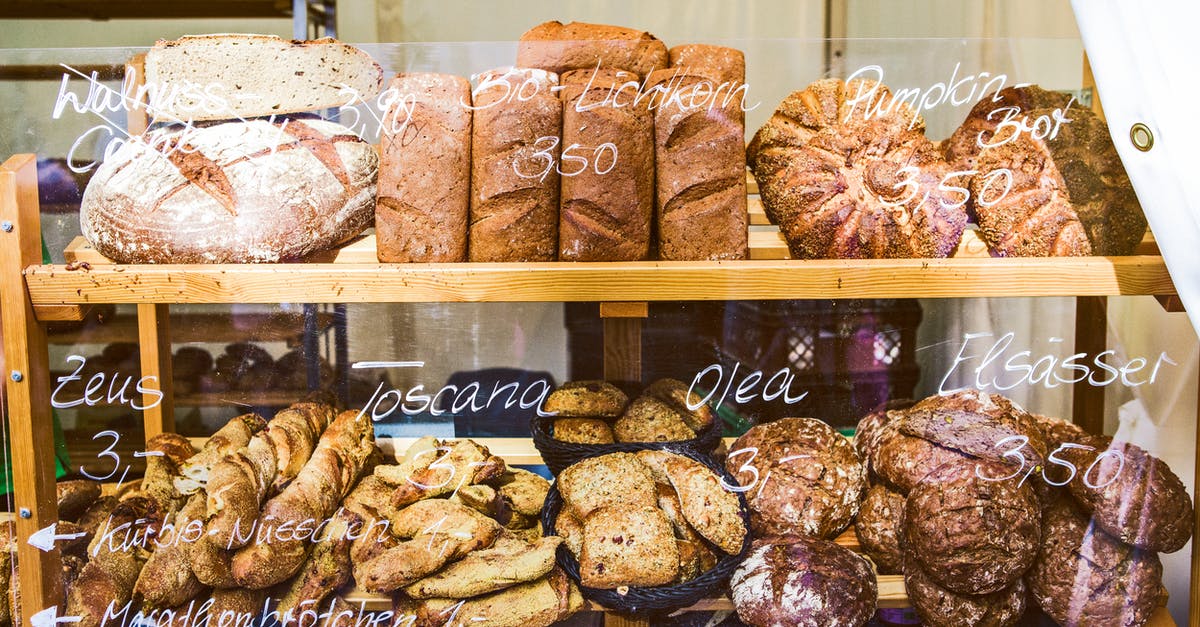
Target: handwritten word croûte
<point>998,368</point>
<point>94,391</point>
<point>449,398</point>
<point>778,385</point>
<point>1017,442</point>
<point>867,101</point>
<point>199,613</point>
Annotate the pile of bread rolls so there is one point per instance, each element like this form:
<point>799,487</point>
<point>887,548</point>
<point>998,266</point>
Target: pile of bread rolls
<point>596,412</point>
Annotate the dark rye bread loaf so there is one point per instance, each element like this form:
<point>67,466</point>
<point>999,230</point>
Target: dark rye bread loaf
<point>1070,193</point>
<point>805,478</point>
<point>939,607</point>
<point>234,192</point>
<point>699,135</point>
<point>425,170</point>
<point>606,217</point>
<point>846,171</point>
<point>514,184</point>
<point>941,429</point>
<point>1131,494</point>
<point>970,533</point>
<point>877,528</point>
<point>803,582</point>
<point>559,48</point>
<point>1084,577</point>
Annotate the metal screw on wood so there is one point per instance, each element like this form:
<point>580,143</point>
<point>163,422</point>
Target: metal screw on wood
<point>16,376</point>
<point>6,226</point>
<point>25,513</point>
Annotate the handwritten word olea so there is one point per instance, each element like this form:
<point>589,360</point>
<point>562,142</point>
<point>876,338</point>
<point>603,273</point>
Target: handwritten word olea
<point>778,385</point>
<point>95,391</point>
<point>450,399</point>
<point>1016,443</point>
<point>1000,367</point>
<point>307,614</point>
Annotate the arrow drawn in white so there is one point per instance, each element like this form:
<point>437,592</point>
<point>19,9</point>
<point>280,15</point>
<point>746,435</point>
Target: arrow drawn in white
<point>45,538</point>
<point>49,617</point>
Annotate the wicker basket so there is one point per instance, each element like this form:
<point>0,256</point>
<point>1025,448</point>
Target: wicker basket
<point>558,454</point>
<point>658,600</point>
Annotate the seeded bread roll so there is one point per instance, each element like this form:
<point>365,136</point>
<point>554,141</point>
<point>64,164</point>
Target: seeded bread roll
<point>1084,577</point>
<point>628,547</point>
<point>651,420</point>
<point>700,158</point>
<point>939,607</point>
<point>234,192</point>
<point>970,529</point>
<point>558,48</point>
<point>214,77</point>
<point>815,480</point>
<point>878,526</point>
<point>579,399</point>
<point>1070,194</point>
<point>607,203</point>
<point>425,170</point>
<point>846,171</point>
<point>691,407</point>
<point>1131,494</point>
<point>616,479</point>
<point>583,431</point>
<point>711,509</point>
<point>514,185</point>
<point>803,582</point>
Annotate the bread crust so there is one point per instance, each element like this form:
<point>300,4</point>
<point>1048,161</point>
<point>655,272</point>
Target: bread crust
<point>877,528</point>
<point>559,48</point>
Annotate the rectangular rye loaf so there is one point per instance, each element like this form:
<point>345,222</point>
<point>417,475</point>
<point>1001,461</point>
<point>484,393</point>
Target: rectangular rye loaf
<point>560,48</point>
<point>699,125</point>
<point>215,77</point>
<point>425,170</point>
<point>607,167</point>
<point>514,183</point>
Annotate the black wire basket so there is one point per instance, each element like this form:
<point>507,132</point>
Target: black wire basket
<point>658,600</point>
<point>558,454</point>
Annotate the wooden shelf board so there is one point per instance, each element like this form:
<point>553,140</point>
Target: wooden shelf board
<point>202,327</point>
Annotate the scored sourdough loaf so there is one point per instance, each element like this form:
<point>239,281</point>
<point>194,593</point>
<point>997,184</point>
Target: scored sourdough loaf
<point>217,77</point>
<point>425,170</point>
<point>607,201</point>
<point>700,156</point>
<point>234,192</point>
<point>559,48</point>
<point>514,184</point>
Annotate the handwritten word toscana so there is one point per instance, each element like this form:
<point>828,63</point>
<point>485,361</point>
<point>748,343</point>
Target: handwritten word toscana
<point>449,398</point>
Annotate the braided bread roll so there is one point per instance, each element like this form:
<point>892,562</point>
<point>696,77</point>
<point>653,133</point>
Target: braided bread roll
<point>314,495</point>
<point>846,171</point>
<point>241,482</point>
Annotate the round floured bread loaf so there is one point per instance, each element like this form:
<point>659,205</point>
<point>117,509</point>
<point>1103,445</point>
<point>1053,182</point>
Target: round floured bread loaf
<point>803,582</point>
<point>802,477</point>
<point>1084,577</point>
<point>1069,196</point>
<point>1131,494</point>
<point>846,171</point>
<point>969,528</point>
<point>939,607</point>
<point>878,526</point>
<point>233,192</point>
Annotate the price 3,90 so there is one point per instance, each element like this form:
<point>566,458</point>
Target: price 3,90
<point>601,161</point>
<point>1014,453</point>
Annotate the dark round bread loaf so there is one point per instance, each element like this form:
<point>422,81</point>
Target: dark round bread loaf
<point>1069,193</point>
<point>1084,577</point>
<point>971,533</point>
<point>866,434</point>
<point>803,477</point>
<point>75,496</point>
<point>1131,494</point>
<point>846,171</point>
<point>803,582</point>
<point>939,607</point>
<point>877,526</point>
<point>963,146</point>
<point>190,362</point>
<point>966,425</point>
